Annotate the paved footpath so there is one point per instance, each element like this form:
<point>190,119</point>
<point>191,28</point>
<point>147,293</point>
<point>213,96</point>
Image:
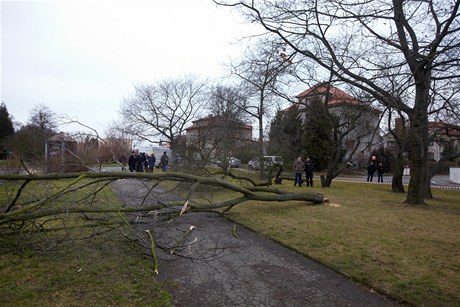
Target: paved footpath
<point>219,263</point>
<point>218,268</point>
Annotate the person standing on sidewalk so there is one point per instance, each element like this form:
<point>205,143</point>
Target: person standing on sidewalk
<point>380,171</point>
<point>370,171</point>
<point>309,172</point>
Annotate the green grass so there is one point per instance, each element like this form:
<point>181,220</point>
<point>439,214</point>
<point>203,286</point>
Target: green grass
<point>104,272</point>
<point>368,234</point>
<point>77,261</point>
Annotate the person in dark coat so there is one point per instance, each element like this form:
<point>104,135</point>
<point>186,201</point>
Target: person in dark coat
<point>140,161</point>
<point>380,171</point>
<point>370,171</point>
<point>151,162</point>
<point>132,161</point>
<point>309,172</point>
<point>164,160</point>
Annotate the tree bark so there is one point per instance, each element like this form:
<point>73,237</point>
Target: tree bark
<point>417,143</point>
<point>397,185</point>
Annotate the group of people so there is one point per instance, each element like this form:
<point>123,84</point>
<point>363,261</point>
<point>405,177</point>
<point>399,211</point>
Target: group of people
<point>142,162</point>
<point>371,168</point>
<point>300,166</point>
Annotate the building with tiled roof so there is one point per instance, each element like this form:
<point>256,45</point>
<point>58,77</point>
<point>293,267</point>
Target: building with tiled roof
<point>217,122</point>
<point>213,134</point>
<point>442,135</point>
<point>332,95</point>
<point>345,107</point>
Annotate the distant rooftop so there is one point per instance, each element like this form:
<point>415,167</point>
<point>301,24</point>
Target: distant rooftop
<point>336,96</point>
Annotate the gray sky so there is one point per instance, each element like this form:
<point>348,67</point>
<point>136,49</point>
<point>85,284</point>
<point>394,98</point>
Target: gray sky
<point>81,58</point>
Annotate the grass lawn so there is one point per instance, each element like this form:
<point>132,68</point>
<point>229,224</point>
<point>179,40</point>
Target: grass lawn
<point>105,272</point>
<point>70,265</point>
<point>368,234</point>
<point>365,232</point>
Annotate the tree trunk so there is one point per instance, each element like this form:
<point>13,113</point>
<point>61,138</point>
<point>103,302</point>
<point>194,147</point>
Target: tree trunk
<point>417,144</point>
<point>54,203</point>
<point>397,185</point>
<point>332,171</point>
<point>417,156</point>
<point>428,192</point>
<point>261,140</point>
<point>334,158</point>
<point>325,181</point>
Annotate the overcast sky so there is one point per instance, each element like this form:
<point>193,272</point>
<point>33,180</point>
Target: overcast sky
<point>81,58</point>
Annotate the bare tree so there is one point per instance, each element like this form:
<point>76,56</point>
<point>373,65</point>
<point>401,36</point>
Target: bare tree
<point>118,143</point>
<point>42,117</point>
<point>227,131</point>
<point>93,148</point>
<point>226,101</point>
<point>160,112</point>
<point>362,43</point>
<point>65,200</point>
<point>261,71</point>
<point>12,212</point>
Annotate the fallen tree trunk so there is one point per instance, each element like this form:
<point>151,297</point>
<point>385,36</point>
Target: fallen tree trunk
<point>47,203</point>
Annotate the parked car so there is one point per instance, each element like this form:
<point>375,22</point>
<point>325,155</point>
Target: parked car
<point>254,164</point>
<point>234,162</point>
